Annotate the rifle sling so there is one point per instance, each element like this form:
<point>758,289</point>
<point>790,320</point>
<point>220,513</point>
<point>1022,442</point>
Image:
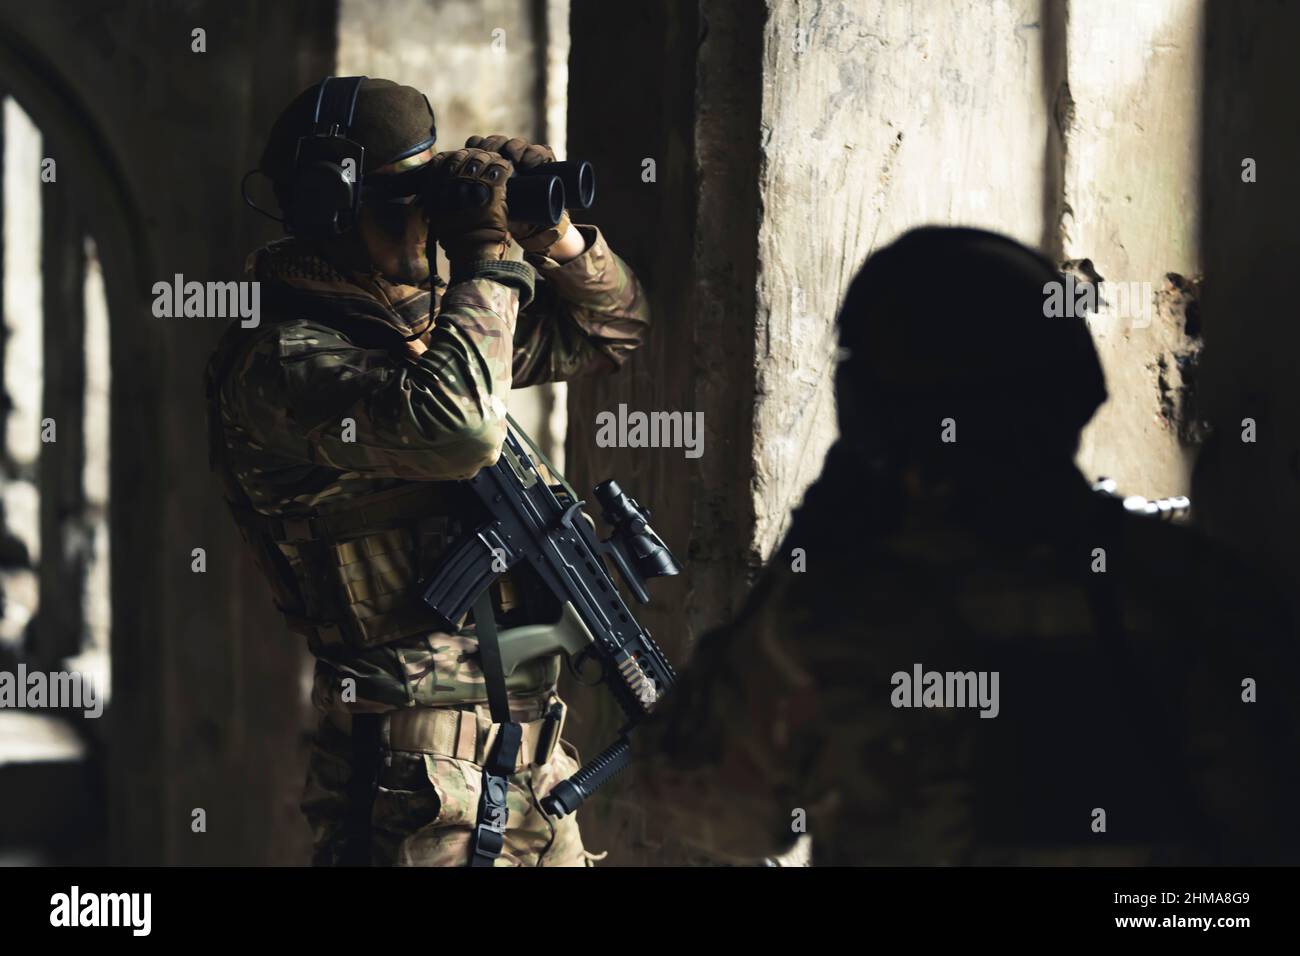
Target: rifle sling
<point>489,652</point>
<point>490,827</point>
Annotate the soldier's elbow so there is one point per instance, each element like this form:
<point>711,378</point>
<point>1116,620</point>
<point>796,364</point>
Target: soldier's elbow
<point>480,444</point>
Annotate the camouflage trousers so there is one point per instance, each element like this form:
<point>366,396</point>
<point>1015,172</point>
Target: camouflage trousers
<point>426,803</point>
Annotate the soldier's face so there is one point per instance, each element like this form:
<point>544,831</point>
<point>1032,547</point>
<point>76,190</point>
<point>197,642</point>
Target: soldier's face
<point>395,233</point>
<point>395,236</point>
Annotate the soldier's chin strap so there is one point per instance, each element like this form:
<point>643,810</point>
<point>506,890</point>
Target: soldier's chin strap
<point>490,828</point>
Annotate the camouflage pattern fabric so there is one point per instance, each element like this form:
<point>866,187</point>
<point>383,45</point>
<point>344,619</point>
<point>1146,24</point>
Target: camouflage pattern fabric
<point>784,720</point>
<point>322,405</point>
<point>427,804</point>
<point>432,418</point>
<point>438,417</point>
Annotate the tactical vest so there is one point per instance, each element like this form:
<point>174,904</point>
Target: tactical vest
<point>345,576</point>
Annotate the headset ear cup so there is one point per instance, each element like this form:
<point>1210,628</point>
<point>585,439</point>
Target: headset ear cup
<point>328,167</point>
<point>323,199</point>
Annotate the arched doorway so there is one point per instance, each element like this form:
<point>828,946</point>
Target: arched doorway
<point>67,250</point>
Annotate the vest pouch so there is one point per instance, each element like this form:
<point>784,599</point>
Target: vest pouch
<point>377,578</point>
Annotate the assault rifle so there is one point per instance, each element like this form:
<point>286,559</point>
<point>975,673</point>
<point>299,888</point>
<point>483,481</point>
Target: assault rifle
<point>528,522</point>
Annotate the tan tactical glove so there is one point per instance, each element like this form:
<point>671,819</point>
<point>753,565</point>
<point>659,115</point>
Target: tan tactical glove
<point>469,233</point>
<point>523,155</point>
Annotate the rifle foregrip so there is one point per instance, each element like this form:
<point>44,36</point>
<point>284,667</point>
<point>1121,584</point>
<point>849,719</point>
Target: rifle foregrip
<point>569,794</point>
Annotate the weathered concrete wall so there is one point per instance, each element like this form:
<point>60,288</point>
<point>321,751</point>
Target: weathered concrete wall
<point>476,61</point>
<point>151,139</point>
<point>877,117</point>
<point>1249,493</point>
<point>1073,129</point>
<point>1130,193</point>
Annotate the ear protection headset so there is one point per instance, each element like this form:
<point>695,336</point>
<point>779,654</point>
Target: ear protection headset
<point>328,188</point>
<point>328,167</point>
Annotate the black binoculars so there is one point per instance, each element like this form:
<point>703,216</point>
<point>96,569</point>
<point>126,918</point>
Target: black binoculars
<point>538,195</point>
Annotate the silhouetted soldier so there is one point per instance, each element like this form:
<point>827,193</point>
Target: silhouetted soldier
<point>1143,709</point>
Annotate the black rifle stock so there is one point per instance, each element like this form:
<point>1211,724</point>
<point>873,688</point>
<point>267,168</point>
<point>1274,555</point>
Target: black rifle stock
<point>530,522</point>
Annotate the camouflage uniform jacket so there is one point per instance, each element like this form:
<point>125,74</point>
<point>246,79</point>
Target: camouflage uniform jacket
<point>322,403</point>
<point>1119,690</point>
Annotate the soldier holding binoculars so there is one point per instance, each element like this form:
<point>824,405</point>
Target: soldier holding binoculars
<point>340,428</point>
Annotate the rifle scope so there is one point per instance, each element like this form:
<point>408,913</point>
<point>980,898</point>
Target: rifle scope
<point>632,529</point>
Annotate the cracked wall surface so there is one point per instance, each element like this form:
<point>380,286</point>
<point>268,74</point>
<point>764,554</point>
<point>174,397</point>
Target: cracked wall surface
<point>1131,167</point>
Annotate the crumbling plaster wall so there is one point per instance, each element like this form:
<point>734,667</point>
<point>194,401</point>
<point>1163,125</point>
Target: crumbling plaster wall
<point>1132,209</point>
<point>876,117</point>
<point>1071,128</point>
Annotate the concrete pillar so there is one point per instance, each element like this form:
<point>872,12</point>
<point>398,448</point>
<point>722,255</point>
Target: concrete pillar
<point>1248,493</point>
<point>57,628</point>
<point>632,112</point>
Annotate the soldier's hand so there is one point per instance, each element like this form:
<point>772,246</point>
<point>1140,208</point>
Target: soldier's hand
<point>524,156</point>
<point>469,232</point>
